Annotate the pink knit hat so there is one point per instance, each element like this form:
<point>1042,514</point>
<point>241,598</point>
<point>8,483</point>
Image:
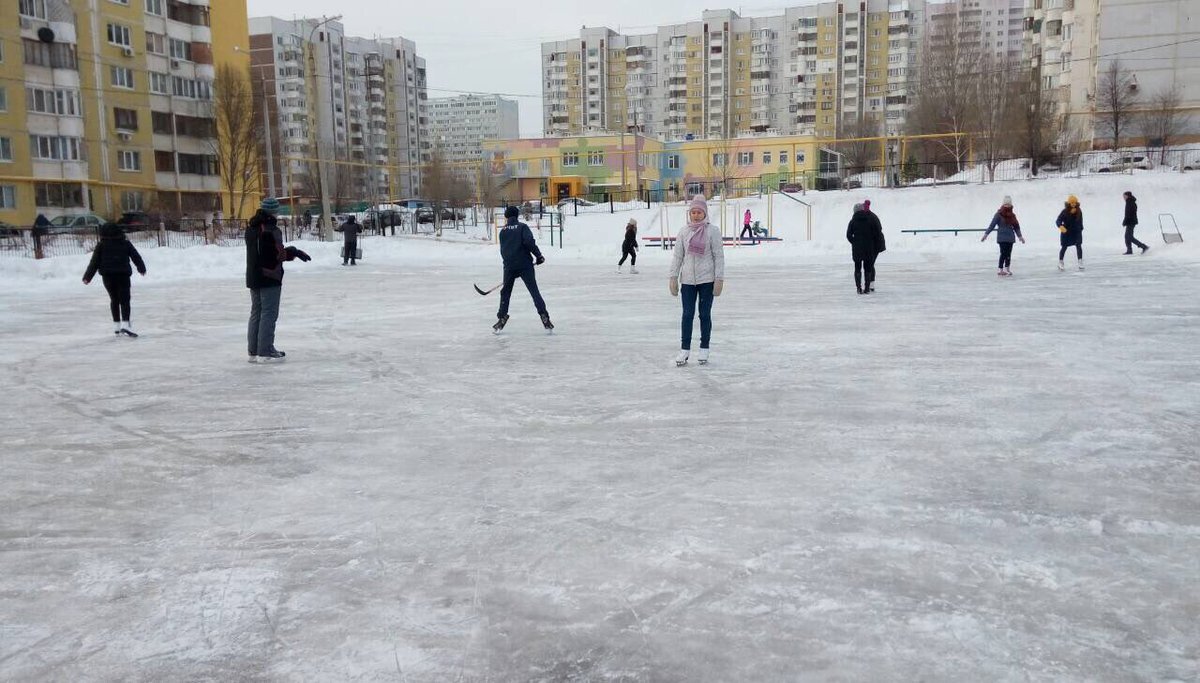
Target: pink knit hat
<point>699,202</point>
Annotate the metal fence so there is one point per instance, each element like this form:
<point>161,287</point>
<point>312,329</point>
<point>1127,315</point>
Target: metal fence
<point>38,243</point>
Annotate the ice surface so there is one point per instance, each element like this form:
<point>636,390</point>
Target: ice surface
<point>957,478</point>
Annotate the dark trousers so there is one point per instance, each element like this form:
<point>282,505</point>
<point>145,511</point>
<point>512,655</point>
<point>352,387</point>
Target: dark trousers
<point>1062,251</point>
<point>1005,254</point>
<point>349,249</point>
<point>747,229</point>
<point>117,287</point>
<point>689,294</point>
<point>1130,240</point>
<point>264,312</point>
<point>631,254</point>
<point>864,262</point>
<point>527,276</point>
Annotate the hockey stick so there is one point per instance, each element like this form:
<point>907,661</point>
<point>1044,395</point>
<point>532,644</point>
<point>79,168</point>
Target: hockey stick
<point>483,293</point>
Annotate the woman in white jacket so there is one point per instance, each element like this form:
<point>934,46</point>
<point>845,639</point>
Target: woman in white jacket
<point>699,265</point>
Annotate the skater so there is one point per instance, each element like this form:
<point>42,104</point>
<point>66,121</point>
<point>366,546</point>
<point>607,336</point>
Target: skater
<point>350,230</point>
<point>265,255</point>
<point>1130,223</point>
<point>865,235</point>
<point>520,253</point>
<point>1008,231</point>
<point>1070,227</point>
<point>111,259</point>
<point>699,265</point>
<point>747,229</point>
<point>629,247</point>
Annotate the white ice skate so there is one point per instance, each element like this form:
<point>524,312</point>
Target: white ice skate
<point>1081,265</point>
<point>1000,273</point>
<point>1008,272</point>
<point>633,270</point>
<point>702,357</point>
<point>1061,266</point>
<point>682,359</point>
<point>620,268</point>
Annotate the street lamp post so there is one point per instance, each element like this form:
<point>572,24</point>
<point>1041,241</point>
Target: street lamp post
<point>326,217</point>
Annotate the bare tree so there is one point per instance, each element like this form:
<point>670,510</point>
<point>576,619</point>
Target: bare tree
<point>237,136</point>
<point>1164,120</point>
<point>947,92</point>
<point>998,118</point>
<point>1116,99</point>
<point>1040,126</point>
<point>719,167</point>
<point>859,151</point>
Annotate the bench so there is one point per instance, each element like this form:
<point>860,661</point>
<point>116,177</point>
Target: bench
<point>953,230</point>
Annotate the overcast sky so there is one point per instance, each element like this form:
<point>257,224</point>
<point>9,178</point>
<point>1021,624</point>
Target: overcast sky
<point>482,46</point>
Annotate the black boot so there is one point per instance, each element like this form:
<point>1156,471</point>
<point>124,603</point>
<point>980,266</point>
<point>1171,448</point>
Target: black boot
<point>546,321</point>
<point>500,323</point>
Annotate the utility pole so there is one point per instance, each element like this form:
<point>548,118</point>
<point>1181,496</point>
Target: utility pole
<point>262,82</point>
<point>322,172</point>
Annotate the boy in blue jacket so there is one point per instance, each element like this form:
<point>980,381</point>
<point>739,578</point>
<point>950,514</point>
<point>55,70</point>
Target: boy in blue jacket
<point>519,250</point>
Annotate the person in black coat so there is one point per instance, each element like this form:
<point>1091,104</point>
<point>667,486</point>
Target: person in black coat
<point>350,230</point>
<point>865,235</point>
<point>1130,223</point>
<point>1070,228</point>
<point>111,259</point>
<point>629,247</point>
<point>518,249</point>
<point>265,255</point>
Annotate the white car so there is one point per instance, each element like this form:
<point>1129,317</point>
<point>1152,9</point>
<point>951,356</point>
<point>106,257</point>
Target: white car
<point>1122,162</point>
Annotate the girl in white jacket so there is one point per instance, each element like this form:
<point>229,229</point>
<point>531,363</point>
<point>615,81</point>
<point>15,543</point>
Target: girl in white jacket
<point>699,265</point>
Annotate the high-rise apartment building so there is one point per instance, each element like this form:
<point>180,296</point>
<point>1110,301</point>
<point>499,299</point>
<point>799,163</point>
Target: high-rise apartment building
<point>459,125</point>
<point>996,28</point>
<point>106,106</point>
<point>359,104</point>
<point>811,70</point>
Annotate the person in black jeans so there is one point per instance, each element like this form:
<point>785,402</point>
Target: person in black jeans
<point>350,230</point>
<point>865,235</point>
<point>518,249</point>
<point>629,247</point>
<point>1130,223</point>
<point>111,259</point>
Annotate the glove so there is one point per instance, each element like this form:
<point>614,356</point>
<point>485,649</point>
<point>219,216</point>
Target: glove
<point>296,253</point>
<point>1062,228</point>
<point>983,239</point>
<point>673,286</point>
<point>717,287</point>
<point>540,260</point>
<point>87,280</point>
<point>1022,240</point>
<point>142,273</point>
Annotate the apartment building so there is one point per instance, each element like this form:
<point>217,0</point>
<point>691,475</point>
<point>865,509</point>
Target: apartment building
<point>995,27</point>
<point>812,70</point>
<point>459,125</point>
<point>105,105</point>
<point>357,103</point>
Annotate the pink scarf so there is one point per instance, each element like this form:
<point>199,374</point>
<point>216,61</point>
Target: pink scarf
<point>698,240</point>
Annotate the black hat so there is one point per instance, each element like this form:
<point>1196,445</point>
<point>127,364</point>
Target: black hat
<point>512,212</point>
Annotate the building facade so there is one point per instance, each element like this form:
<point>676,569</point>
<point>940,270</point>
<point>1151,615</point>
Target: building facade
<point>112,102</point>
<point>459,125</point>
<point>812,70</point>
<point>358,104</point>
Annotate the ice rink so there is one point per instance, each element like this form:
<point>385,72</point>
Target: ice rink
<point>958,478</point>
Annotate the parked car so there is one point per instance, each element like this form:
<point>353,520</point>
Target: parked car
<point>1122,162</point>
<point>563,203</point>
<point>7,230</point>
<point>423,215</point>
<point>140,220</point>
<point>791,187</point>
<point>385,218</point>
<point>74,222</point>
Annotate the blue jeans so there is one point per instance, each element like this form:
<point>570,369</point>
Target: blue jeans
<point>689,293</point>
<point>264,312</point>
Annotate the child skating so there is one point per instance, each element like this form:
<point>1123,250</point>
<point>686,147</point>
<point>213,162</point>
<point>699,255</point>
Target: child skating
<point>1008,231</point>
<point>1070,228</point>
<point>698,264</point>
<point>629,247</point>
<point>519,250</point>
<point>111,259</point>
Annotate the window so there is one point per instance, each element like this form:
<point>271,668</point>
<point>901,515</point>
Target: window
<point>197,164</point>
<point>745,158</point>
<point>720,159</point>
<point>164,162</point>
<point>8,197</point>
<point>32,8</point>
<point>766,157</point>
<point>50,148</point>
<point>160,123</point>
<point>595,158</point>
<point>121,2</point>
<point>63,102</point>
<point>126,119</point>
<point>53,55</point>
<point>6,149</point>
<point>193,89</point>
<point>673,161</point>
<point>59,195</point>
<point>3,99</point>
<point>156,43</point>
<point>154,7</point>
<point>158,84</point>
<point>180,49</point>
<point>119,35</point>
<point>128,160</point>
<point>800,155</point>
<point>570,159</point>
<point>121,77</point>
<point>132,201</point>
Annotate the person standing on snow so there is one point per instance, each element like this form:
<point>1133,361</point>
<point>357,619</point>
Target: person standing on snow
<point>699,265</point>
<point>1130,223</point>
<point>865,235</point>
<point>350,230</point>
<point>746,229</point>
<point>519,251</point>
<point>1008,231</point>
<point>1070,227</point>
<point>629,247</point>
<point>111,259</point>
<point>265,255</point>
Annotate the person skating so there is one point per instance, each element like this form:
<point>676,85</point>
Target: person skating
<point>865,235</point>
<point>111,259</point>
<point>1130,222</point>
<point>698,264</point>
<point>520,253</point>
<point>265,255</point>
<point>350,230</point>
<point>1070,228</point>
<point>1008,231</point>
<point>746,229</point>
<point>629,247</point>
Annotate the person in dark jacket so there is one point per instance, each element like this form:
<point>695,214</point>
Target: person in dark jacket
<point>519,250</point>
<point>111,259</point>
<point>865,234</point>
<point>1070,228</point>
<point>1008,231</point>
<point>265,255</point>
<point>629,247</point>
<point>350,230</point>
<point>1130,223</point>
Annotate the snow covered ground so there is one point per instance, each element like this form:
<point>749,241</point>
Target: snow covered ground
<point>957,478</point>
